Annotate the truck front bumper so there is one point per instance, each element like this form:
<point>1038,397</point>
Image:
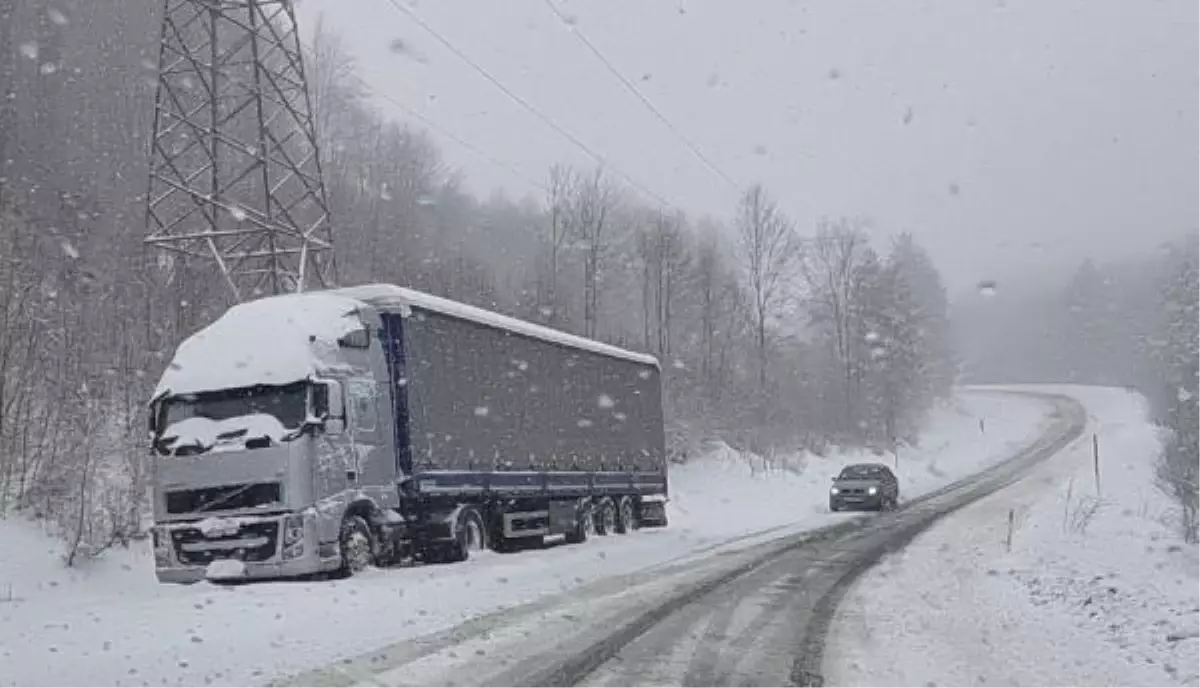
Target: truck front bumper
<point>258,570</point>
<point>251,548</point>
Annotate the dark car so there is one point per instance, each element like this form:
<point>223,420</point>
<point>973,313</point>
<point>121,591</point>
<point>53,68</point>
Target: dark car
<point>864,486</point>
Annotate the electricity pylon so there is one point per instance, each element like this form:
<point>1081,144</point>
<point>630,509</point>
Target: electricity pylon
<point>235,176</point>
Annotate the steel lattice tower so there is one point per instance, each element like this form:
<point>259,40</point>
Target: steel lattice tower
<point>235,176</point>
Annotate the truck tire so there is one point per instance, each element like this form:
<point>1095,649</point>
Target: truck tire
<point>469,535</point>
<point>585,525</point>
<point>627,521</point>
<point>357,545</point>
<point>606,521</point>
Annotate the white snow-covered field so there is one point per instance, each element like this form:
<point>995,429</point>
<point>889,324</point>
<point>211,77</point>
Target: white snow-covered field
<point>111,623</point>
<point>1098,588</point>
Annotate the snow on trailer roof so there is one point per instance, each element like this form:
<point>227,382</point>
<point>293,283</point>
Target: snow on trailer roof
<point>391,296</point>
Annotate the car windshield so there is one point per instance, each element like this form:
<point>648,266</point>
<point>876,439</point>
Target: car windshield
<point>856,472</point>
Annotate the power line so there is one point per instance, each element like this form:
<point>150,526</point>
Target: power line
<point>629,86</point>
<point>599,159</point>
<point>432,124</point>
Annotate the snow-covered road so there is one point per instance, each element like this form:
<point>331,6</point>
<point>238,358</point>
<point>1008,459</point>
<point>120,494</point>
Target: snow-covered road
<point>751,616</point>
<point>112,624</point>
<point>1096,589</point>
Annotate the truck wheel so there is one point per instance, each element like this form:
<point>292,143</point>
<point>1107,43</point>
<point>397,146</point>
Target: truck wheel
<point>472,536</point>
<point>585,525</point>
<point>626,516</point>
<point>469,536</point>
<point>357,544</point>
<point>606,524</point>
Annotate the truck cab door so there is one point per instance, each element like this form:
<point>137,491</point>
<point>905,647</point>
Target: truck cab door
<point>363,430</point>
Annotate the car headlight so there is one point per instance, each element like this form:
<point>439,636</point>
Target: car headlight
<point>872,490</point>
<point>833,490</point>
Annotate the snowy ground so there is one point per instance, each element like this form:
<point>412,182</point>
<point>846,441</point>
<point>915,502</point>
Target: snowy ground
<point>1098,589</point>
<point>113,624</point>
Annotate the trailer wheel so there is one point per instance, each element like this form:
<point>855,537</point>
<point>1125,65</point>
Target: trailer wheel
<point>626,516</point>
<point>357,544</point>
<point>585,525</point>
<point>607,523</point>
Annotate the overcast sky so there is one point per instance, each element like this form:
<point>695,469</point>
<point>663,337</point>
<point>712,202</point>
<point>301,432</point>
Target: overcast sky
<point>1009,136</point>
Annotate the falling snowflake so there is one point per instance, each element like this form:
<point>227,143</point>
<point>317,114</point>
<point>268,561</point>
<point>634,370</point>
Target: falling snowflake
<point>69,250</point>
<point>482,411</point>
<point>584,423</point>
<point>872,336</point>
<point>605,402</point>
<point>29,49</point>
<point>1183,394</point>
<point>644,374</point>
<point>238,214</point>
<point>56,16</point>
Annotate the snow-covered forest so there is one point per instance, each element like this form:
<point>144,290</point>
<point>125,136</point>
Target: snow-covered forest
<point>772,335</point>
<point>1131,323</point>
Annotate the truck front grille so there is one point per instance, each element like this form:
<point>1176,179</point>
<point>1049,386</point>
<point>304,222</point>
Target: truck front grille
<point>227,546</point>
<point>223,498</point>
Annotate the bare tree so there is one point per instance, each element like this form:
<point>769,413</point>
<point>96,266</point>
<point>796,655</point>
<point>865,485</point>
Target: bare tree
<point>832,271</point>
<point>664,260</point>
<point>596,199</point>
<point>769,249</point>
<point>559,196</point>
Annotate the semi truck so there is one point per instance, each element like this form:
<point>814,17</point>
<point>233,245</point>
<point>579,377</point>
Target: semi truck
<point>328,431</point>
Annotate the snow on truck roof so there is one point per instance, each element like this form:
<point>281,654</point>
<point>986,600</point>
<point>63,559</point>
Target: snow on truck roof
<point>391,297</point>
<point>278,340</point>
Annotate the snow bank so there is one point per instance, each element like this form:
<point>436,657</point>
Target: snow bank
<point>272,341</point>
<point>114,624</point>
<point>1096,590</point>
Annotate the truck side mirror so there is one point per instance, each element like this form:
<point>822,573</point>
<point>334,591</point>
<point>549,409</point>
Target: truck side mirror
<point>329,405</point>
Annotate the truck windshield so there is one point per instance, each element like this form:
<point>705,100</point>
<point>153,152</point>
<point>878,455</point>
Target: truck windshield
<point>237,412</point>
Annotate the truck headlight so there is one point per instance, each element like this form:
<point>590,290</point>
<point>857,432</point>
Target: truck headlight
<point>293,536</point>
<point>833,490</point>
<point>872,490</point>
